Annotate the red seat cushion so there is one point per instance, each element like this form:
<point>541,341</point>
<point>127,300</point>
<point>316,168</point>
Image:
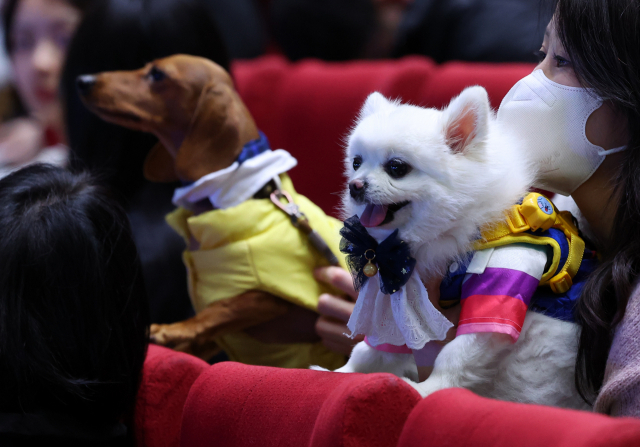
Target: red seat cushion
<point>308,107</point>
<point>167,377</point>
<point>457,417</point>
<point>239,405</point>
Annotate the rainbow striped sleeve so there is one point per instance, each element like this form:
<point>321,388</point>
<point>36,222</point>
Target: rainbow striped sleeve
<point>497,299</point>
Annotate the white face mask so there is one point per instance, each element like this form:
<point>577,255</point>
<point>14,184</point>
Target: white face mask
<point>550,120</point>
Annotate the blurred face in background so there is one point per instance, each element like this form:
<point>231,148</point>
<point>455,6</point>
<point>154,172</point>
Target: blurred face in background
<point>41,32</point>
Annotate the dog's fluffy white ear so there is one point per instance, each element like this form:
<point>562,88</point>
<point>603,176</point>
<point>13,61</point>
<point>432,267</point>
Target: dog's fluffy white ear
<point>467,119</point>
<point>374,103</point>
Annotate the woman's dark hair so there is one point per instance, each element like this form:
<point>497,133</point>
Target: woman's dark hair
<point>9,12</point>
<point>125,35</point>
<point>73,310</point>
<point>602,39</point>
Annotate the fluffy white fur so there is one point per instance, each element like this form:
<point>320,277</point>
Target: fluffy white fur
<point>466,170</point>
<point>539,368</point>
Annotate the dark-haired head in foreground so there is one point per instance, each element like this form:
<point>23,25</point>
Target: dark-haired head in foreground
<point>73,309</point>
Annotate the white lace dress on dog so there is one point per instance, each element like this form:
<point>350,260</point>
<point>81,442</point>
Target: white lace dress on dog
<point>404,317</point>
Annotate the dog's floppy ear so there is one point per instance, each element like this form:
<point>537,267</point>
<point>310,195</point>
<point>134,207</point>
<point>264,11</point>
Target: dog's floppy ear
<point>375,103</point>
<point>159,166</point>
<point>466,120</point>
<point>213,140</point>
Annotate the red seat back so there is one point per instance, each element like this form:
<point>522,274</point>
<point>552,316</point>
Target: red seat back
<point>239,405</point>
<point>457,417</point>
<point>167,377</point>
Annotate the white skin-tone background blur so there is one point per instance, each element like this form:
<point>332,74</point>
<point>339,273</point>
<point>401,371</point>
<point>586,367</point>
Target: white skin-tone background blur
<point>605,128</point>
<point>40,35</point>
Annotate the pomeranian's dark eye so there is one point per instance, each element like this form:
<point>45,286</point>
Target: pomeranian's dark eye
<point>156,75</point>
<point>357,162</point>
<point>397,168</point>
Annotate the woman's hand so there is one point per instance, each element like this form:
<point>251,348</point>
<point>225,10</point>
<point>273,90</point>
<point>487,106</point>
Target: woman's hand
<point>336,310</point>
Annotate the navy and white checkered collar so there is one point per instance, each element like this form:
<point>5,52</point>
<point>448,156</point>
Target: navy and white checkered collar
<point>253,148</point>
<point>249,150</point>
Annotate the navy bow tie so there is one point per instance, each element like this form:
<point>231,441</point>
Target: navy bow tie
<point>392,256</point>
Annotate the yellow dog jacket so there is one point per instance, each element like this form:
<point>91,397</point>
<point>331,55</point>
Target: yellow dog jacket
<point>254,246</point>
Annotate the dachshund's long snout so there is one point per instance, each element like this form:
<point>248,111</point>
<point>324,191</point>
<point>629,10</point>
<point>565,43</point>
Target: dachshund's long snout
<point>85,84</point>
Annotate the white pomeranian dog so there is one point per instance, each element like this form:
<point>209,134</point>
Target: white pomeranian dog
<point>437,176</point>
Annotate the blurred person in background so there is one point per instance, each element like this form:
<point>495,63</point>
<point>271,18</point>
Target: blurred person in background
<point>36,35</point>
<point>331,30</point>
<point>473,30</point>
<point>444,30</point>
<point>242,26</point>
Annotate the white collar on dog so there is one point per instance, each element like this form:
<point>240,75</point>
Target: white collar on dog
<point>239,182</point>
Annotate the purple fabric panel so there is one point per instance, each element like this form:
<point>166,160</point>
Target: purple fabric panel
<point>500,281</point>
<point>427,355</point>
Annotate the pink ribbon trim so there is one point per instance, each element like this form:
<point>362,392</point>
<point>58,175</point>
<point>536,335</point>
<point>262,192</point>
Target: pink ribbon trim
<point>386,347</point>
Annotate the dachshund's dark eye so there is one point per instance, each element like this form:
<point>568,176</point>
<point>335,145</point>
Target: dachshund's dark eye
<point>156,75</point>
<point>357,162</point>
<point>397,168</point>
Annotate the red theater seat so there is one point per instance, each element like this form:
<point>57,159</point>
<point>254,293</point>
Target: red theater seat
<point>241,405</point>
<point>308,107</point>
<point>457,417</point>
<point>167,377</point>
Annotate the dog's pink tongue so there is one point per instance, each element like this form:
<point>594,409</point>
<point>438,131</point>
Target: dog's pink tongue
<point>373,215</point>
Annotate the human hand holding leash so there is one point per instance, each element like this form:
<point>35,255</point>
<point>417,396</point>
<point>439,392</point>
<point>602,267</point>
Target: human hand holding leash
<point>335,310</point>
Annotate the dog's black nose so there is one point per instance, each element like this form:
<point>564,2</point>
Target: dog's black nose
<point>85,83</point>
<point>357,189</point>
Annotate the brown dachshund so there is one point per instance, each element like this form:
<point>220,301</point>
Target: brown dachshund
<point>191,105</point>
